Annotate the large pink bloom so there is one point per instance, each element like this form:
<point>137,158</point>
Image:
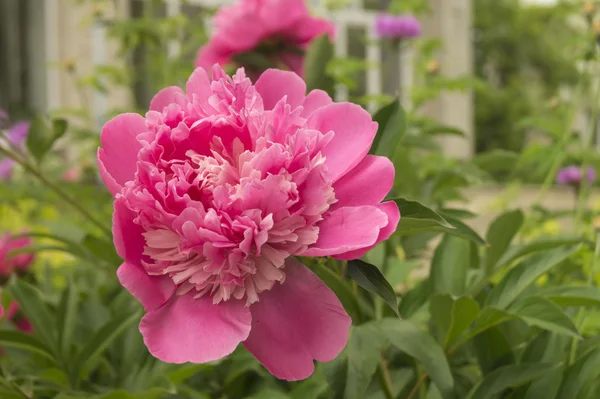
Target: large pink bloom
<point>215,190</point>
<point>278,29</point>
<point>9,262</point>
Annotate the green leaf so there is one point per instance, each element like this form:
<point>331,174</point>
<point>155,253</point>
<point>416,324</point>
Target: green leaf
<point>268,393</point>
<point>392,126</point>
<point>509,376</point>
<point>452,316</point>
<point>313,387</point>
<point>546,386</point>
<point>525,273</point>
<point>450,265</point>
<point>363,352</point>
<point>370,278</point>
<point>185,371</point>
<point>577,375</point>
<point>488,318</point>
<point>542,244</point>
<point>445,130</point>
<point>42,135</point>
<point>417,218</point>
<point>67,319</point>
<point>102,249</point>
<point>17,339</point>
<point>492,349</point>
<point>499,236</point>
<point>102,338</point>
<point>316,59</point>
<point>577,295</point>
<point>420,345</point>
<point>496,160</point>
<point>541,312</point>
<point>415,299</point>
<point>36,311</point>
<point>341,289</point>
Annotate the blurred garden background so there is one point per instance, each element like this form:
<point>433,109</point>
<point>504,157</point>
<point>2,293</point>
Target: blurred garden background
<point>488,110</point>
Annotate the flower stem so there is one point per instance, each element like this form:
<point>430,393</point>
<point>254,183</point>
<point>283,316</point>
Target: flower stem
<point>383,375</point>
<point>417,386</point>
<point>59,191</point>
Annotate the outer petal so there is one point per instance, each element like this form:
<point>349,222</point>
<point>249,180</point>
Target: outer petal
<point>354,132</point>
<point>273,84</point>
<point>127,235</point>
<point>195,330</point>
<point>198,84</point>
<point>393,213</point>
<point>367,184</point>
<point>113,187</point>
<point>151,291</point>
<point>314,100</point>
<point>120,147</point>
<point>296,322</point>
<point>348,229</point>
<point>165,97</point>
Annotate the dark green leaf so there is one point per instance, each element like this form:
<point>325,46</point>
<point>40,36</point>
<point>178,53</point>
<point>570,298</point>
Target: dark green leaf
<point>342,290</point>
<point>492,349</point>
<point>417,218</point>
<point>34,308</point>
<point>541,312</point>
<point>102,249</point>
<point>496,160</point>
<point>313,387</point>
<point>506,377</point>
<point>370,278</point>
<point>392,125</point>
<point>546,386</point>
<point>499,236</point>
<point>17,339</point>
<point>525,273</point>
<point>363,351</point>
<point>419,344</point>
<point>67,319</point>
<point>577,375</point>
<point>450,265</point>
<point>102,338</point>
<point>452,316</point>
<point>415,299</point>
<point>488,318</point>
<point>577,295</point>
<point>316,59</point>
<point>445,130</point>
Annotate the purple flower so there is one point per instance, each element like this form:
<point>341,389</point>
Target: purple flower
<point>571,175</point>
<point>388,26</point>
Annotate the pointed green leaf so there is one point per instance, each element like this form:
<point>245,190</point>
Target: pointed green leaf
<point>17,339</point>
<point>575,295</point>
<point>370,278</point>
<point>67,319</point>
<point>36,311</point>
<point>419,344</point>
<point>579,374</point>
<point>450,265</point>
<point>509,376</point>
<point>541,312</point>
<point>318,55</point>
<point>392,126</point>
<point>499,236</point>
<point>363,351</point>
<point>525,273</point>
<point>452,316</point>
<point>542,244</point>
<point>42,135</point>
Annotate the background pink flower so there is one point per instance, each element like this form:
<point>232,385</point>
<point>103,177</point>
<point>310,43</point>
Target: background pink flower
<point>216,189</point>
<point>277,29</point>
<point>10,263</point>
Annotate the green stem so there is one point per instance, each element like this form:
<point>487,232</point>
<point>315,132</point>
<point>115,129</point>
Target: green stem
<point>383,376</point>
<point>59,191</point>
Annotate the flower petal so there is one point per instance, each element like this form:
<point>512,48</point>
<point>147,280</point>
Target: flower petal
<point>127,235</point>
<point>165,97</point>
<point>393,213</point>
<point>348,229</point>
<point>357,186</point>
<point>113,187</point>
<point>296,322</point>
<point>354,132</point>
<point>120,147</point>
<point>315,100</point>
<point>151,291</point>
<point>273,84</point>
<point>195,330</point>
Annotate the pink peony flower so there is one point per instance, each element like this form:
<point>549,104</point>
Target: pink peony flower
<point>21,323</point>
<point>10,263</point>
<point>216,189</point>
<point>278,29</point>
